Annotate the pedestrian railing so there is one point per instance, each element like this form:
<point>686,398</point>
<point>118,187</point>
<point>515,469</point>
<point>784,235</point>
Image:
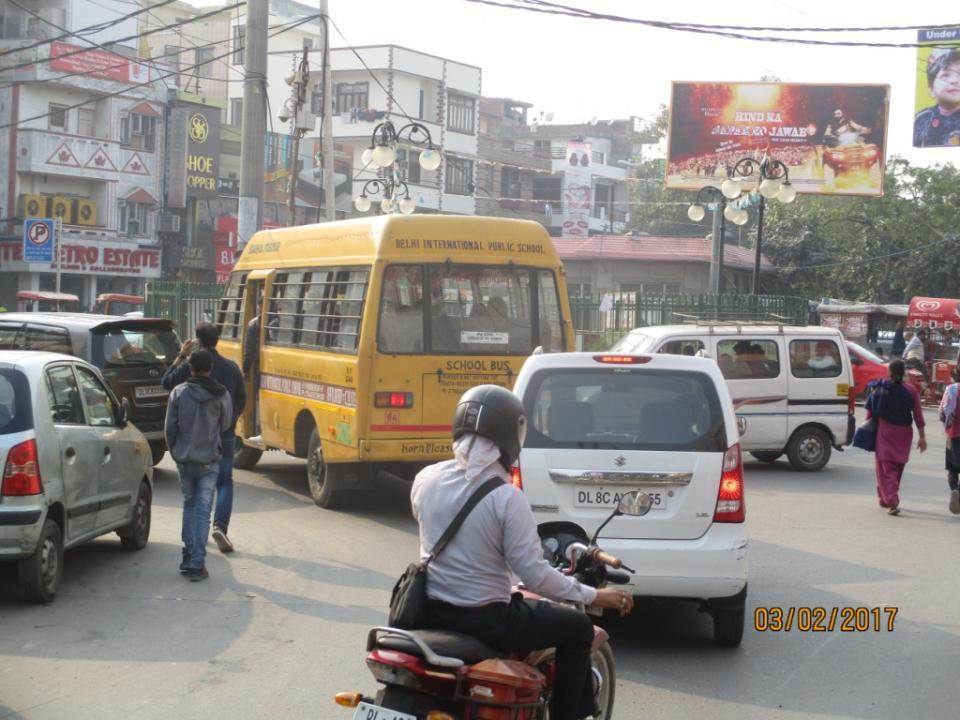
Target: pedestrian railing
<point>184,303</point>
<point>600,322</point>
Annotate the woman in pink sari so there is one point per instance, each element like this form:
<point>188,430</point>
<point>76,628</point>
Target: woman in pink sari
<point>898,411</point>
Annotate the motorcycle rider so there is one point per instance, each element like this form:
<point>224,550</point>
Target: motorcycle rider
<point>469,585</point>
<point>914,355</point>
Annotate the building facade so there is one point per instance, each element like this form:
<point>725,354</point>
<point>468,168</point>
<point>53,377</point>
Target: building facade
<point>84,129</point>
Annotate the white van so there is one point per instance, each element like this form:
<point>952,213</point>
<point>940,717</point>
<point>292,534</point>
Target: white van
<point>792,387</point>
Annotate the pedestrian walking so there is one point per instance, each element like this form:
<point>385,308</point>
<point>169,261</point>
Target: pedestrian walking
<point>896,407</point>
<point>899,343</point>
<point>198,413</point>
<point>951,426</point>
<point>227,374</point>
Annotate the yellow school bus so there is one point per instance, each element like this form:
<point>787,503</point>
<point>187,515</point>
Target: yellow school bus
<point>371,329</point>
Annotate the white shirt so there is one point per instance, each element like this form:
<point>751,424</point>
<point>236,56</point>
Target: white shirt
<point>914,349</point>
<point>498,538</point>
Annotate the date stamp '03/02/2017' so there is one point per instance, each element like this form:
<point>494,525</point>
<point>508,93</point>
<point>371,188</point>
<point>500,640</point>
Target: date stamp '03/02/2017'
<point>825,619</point>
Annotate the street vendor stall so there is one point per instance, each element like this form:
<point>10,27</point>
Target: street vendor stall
<point>940,317</point>
<point>868,324</point>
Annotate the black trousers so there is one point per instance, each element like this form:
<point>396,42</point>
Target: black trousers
<point>527,625</point>
<point>952,462</point>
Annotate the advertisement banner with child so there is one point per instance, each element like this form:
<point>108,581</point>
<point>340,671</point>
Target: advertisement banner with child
<point>937,106</point>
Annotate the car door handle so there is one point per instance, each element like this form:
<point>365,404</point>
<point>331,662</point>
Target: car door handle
<point>70,453</point>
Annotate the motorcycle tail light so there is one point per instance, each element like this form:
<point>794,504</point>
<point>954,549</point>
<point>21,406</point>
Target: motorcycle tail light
<point>392,675</point>
<point>731,507</point>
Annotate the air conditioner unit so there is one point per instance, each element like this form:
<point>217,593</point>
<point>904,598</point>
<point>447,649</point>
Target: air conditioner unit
<point>34,206</point>
<point>85,212</point>
<point>168,222</point>
<point>61,207</point>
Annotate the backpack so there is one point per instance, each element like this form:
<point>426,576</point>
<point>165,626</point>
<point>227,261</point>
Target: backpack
<point>878,397</point>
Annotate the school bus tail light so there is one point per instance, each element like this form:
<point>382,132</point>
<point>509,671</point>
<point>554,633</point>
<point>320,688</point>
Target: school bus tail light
<point>392,399</point>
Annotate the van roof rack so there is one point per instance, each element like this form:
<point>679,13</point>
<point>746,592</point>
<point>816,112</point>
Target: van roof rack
<point>770,320</point>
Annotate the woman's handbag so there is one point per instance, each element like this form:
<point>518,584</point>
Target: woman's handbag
<point>865,437</point>
<point>408,602</point>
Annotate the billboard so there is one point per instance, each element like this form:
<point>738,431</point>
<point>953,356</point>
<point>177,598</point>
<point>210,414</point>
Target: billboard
<point>577,188</point>
<point>832,138</point>
<point>936,122</point>
<point>97,63</point>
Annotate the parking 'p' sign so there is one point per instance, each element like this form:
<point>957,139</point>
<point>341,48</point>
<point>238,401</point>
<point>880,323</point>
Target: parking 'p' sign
<point>38,240</point>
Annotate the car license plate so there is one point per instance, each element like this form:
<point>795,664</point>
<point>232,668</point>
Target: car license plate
<point>149,391</point>
<point>597,496</point>
<point>366,711</point>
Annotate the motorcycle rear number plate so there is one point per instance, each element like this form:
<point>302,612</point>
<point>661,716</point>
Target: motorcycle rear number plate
<point>366,711</point>
<point>594,496</point>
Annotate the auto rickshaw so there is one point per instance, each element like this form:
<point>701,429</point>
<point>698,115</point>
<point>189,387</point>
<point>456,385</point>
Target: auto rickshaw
<point>44,301</point>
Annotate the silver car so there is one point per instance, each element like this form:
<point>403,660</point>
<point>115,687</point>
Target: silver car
<point>73,467</point>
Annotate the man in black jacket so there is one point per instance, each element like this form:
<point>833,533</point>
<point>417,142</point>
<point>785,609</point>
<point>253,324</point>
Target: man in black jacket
<point>227,374</point>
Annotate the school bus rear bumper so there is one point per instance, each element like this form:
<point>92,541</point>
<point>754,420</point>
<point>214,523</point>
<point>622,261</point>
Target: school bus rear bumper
<point>413,450</point>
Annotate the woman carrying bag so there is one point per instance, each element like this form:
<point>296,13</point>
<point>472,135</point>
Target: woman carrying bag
<point>895,407</point>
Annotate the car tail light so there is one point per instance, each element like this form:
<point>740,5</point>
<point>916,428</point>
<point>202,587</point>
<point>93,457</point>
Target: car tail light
<point>516,479</point>
<point>392,399</point>
<point>21,475</point>
<point>622,359</point>
<point>731,507</point>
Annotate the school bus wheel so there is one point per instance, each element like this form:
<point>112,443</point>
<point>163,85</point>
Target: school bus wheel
<point>325,481</point>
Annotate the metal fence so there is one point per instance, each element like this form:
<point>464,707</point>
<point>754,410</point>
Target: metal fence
<point>600,322</point>
<point>184,303</point>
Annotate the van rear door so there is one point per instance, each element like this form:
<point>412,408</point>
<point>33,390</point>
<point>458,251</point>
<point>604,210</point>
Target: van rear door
<point>598,432</point>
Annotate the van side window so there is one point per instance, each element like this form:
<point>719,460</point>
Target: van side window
<point>48,339</point>
<point>401,311</point>
<point>230,313</point>
<point>747,359</point>
<point>815,359</point>
<point>681,347</point>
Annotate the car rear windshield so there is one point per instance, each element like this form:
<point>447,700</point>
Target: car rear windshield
<point>135,345</point>
<point>16,414</point>
<point>624,409</point>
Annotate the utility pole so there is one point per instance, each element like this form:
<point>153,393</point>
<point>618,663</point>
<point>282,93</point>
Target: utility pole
<point>757,256</point>
<point>293,110</point>
<point>330,190</point>
<point>254,121</point>
<point>716,258</point>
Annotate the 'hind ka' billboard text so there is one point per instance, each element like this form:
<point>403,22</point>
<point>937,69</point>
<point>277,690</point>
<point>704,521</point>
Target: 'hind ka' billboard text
<point>832,138</point>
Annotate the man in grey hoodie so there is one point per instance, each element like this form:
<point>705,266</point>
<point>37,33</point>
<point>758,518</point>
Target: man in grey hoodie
<point>199,411</point>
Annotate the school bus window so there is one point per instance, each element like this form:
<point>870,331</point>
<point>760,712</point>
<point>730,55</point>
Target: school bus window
<point>230,314</point>
<point>478,309</point>
<point>401,313</point>
<point>551,329</point>
<point>283,315</point>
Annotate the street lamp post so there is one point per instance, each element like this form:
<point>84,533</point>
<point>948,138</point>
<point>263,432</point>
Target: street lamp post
<point>383,154</point>
<point>712,197</point>
<point>772,180</point>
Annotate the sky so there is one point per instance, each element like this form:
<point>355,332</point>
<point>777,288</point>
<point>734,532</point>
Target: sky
<point>580,69</point>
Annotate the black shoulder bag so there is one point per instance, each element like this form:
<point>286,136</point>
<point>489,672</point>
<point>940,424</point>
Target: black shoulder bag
<point>408,603</point>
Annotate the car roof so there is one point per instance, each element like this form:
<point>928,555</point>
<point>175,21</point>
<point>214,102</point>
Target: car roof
<point>84,321</point>
<point>31,358</point>
<point>734,329</point>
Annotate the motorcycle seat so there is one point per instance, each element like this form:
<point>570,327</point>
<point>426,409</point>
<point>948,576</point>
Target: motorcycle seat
<point>443,643</point>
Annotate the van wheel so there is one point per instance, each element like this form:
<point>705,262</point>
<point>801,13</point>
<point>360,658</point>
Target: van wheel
<point>244,456</point>
<point>728,626</point>
<point>324,480</point>
<point>40,573</point>
<point>158,448</point>
<point>809,449</point>
<point>135,534</point>
<point>767,456</point>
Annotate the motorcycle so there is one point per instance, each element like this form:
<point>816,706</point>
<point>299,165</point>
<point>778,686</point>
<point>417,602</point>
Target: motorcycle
<point>440,675</point>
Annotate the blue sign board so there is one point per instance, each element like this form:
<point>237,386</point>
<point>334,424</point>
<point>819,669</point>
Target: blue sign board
<point>38,240</point>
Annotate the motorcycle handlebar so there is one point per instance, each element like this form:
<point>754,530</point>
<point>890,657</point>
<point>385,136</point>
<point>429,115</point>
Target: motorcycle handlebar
<point>618,577</point>
<point>607,559</point>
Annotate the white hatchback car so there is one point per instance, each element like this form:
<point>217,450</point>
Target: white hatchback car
<point>602,424</point>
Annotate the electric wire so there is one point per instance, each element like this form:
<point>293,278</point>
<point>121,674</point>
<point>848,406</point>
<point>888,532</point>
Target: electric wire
<point>142,84</point>
<point>556,9</point>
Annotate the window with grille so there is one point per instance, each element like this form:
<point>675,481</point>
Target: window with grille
<point>458,176</point>
<point>460,113</point>
<point>138,131</point>
<point>57,117</point>
<point>351,95</point>
<point>509,182</point>
<point>319,308</point>
<point>230,314</point>
<point>204,62</point>
<point>239,41</point>
<point>236,111</point>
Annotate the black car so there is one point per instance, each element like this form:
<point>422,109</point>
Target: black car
<point>132,354</point>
